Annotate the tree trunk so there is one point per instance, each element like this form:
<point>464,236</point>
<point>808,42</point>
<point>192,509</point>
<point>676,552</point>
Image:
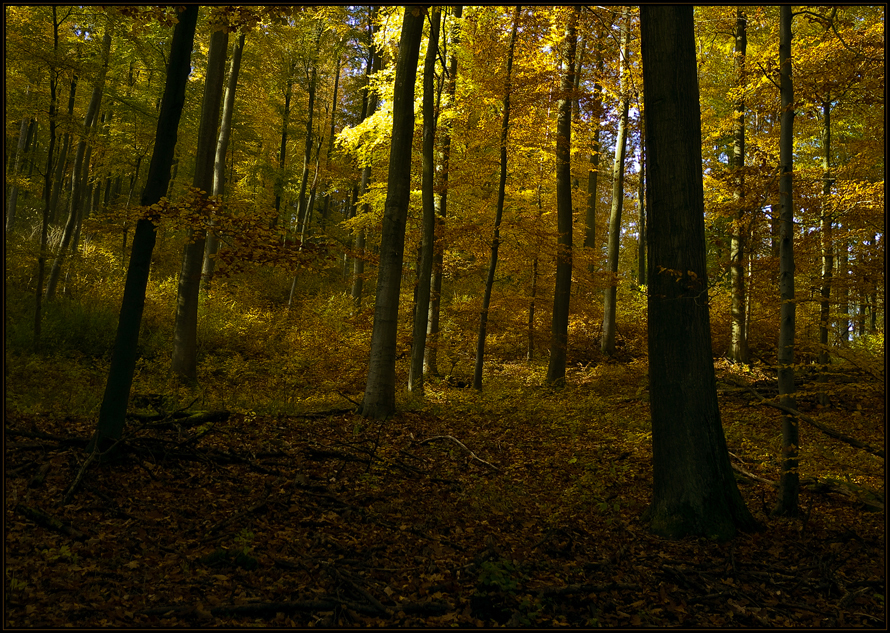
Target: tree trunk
<point>59,179</point>
<point>789,483</point>
<point>219,161</point>
<point>379,400</point>
<point>422,307</point>
<point>369,105</point>
<point>827,246</point>
<point>556,370</point>
<point>123,360</point>
<point>738,347</point>
<point>282,152</point>
<point>641,197</point>
<point>594,169</point>
<point>694,491</point>
<point>502,185</point>
<point>327,194</point>
<point>432,349</point>
<point>307,156</point>
<point>78,174</point>
<point>611,295</point>
<point>14,189</point>
<point>843,272</point>
<point>47,183</point>
<point>185,334</point>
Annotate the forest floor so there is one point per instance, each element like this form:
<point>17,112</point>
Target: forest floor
<point>519,506</point>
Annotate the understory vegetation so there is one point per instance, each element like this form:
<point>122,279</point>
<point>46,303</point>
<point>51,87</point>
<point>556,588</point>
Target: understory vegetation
<point>517,505</point>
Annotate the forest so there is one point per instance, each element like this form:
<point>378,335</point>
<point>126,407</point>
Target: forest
<point>450,316</point>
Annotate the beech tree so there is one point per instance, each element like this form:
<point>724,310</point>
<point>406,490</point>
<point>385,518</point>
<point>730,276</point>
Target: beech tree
<point>556,370</point>
<point>379,400</point>
<point>110,425</point>
<point>694,490</point>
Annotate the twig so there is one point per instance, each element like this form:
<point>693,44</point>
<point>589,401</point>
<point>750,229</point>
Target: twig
<point>357,404</point>
<point>462,445</point>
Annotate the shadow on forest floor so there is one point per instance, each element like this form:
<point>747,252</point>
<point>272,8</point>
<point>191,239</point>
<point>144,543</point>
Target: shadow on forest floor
<point>519,506</point>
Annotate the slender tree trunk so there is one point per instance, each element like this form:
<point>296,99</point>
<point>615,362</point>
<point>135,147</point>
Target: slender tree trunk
<point>533,294</point>
<point>282,152</point>
<point>827,246</point>
<point>379,400</point>
<point>369,105</point>
<point>78,175</point>
<point>432,347</point>
<point>502,185</point>
<point>307,156</point>
<point>641,197</point>
<point>843,272</point>
<point>47,183</point>
<point>593,171</point>
<point>14,189</point>
<point>789,485</point>
<point>123,360</point>
<point>219,162</point>
<point>611,295</point>
<point>59,179</point>
<point>422,307</point>
<point>185,334</point>
<point>694,490</point>
<point>738,349</point>
<point>556,370</point>
<point>327,194</point>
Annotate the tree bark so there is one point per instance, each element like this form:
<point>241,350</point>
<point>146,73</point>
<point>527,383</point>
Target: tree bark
<point>422,306</point>
<point>556,370</point>
<point>502,185</point>
<point>282,152</point>
<point>432,349</point>
<point>307,156</point>
<point>185,334</point>
<point>123,360</point>
<point>594,169</point>
<point>738,348</point>
<point>694,490</point>
<point>607,344</point>
<point>641,197</point>
<point>369,105</point>
<point>59,179</point>
<point>17,163</point>
<point>789,482</point>
<point>78,175</point>
<point>219,162</point>
<point>379,400</point>
<point>826,239</point>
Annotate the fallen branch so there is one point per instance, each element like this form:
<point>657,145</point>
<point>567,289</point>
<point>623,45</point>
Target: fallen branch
<point>462,445</point>
<point>583,588</point>
<point>49,522</point>
<point>271,608</point>
<point>744,472</point>
<point>822,427</point>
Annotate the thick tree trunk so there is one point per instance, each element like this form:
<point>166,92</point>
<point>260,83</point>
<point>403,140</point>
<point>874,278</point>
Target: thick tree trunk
<point>694,490</point>
<point>123,360</point>
<point>78,175</point>
<point>789,483</point>
<point>219,162</point>
<point>607,345</point>
<point>432,347</point>
<point>738,347</point>
<point>496,238</point>
<point>380,394</point>
<point>559,332</point>
<point>422,306</point>
<point>826,245</point>
<point>185,334</point>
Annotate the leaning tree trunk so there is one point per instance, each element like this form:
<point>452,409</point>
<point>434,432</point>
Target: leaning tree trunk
<point>607,344</point>
<point>123,360</point>
<point>738,347</point>
<point>502,185</point>
<point>78,179</point>
<point>789,483</point>
<point>827,246</point>
<point>432,347</point>
<point>219,161</point>
<point>422,306</point>
<point>380,391</point>
<point>185,334</point>
<point>559,332</point>
<point>694,490</point>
